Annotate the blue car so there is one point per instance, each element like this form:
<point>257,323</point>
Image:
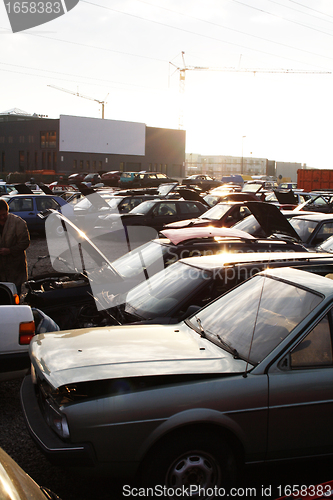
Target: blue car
<point>27,206</point>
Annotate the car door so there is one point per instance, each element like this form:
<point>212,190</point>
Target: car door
<point>162,213</point>
<point>24,207</point>
<point>301,396</point>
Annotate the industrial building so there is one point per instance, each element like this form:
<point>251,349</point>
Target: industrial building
<point>71,144</point>
<point>221,165</point>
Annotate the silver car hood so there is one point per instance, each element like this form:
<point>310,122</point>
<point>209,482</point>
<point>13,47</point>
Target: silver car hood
<point>127,351</point>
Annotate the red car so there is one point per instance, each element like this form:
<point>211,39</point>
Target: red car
<point>111,178</point>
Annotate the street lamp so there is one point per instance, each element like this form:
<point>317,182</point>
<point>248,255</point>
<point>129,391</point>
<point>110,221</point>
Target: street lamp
<point>242,167</point>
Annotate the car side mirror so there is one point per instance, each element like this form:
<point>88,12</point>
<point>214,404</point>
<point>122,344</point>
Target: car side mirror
<point>192,309</point>
<point>285,363</point>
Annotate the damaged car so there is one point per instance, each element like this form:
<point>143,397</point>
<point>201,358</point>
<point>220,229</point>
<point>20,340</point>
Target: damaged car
<point>145,400</point>
<point>176,292</point>
<point>84,284</point>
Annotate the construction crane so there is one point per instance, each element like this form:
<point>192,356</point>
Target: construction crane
<point>182,72</point>
<point>84,97</point>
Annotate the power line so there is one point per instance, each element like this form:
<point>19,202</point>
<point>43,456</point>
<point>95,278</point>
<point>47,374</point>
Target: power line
<point>108,82</point>
<point>209,37</point>
<point>314,10</point>
<point>234,30</point>
<point>299,11</point>
<point>281,17</point>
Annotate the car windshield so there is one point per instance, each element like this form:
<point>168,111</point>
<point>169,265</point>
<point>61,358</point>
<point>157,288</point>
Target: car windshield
<point>270,310</point>
<point>212,199</point>
<point>98,201</point>
<point>147,258</point>
<point>304,228</point>
<point>215,213</point>
<point>320,200</point>
<point>143,208</point>
<point>251,188</point>
<point>250,225</point>
<point>165,290</point>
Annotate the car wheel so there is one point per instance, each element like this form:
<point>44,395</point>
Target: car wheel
<point>191,463</point>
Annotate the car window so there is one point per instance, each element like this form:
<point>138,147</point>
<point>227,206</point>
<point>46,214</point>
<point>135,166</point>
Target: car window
<point>324,232</point>
<point>304,228</point>
<point>128,204</point>
<point>315,350</point>
<point>166,208</point>
<point>46,203</point>
<point>189,208</point>
<point>21,205</point>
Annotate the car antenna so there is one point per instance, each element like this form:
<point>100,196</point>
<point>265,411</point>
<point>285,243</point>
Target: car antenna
<point>254,327</point>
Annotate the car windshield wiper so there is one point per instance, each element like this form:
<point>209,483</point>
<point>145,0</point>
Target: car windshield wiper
<point>228,347</point>
<point>202,331</point>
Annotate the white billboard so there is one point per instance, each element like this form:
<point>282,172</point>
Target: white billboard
<point>94,135</point>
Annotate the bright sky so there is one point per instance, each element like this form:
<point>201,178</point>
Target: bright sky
<point>120,51</point>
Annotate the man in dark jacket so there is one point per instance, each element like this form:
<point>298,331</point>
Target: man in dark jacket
<point>14,240</point>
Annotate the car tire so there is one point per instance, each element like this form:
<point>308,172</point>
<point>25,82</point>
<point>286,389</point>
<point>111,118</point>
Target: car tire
<point>198,459</point>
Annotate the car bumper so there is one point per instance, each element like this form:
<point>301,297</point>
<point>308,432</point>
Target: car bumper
<point>56,450</point>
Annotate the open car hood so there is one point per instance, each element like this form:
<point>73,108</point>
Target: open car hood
<point>287,197</point>
<point>272,221</point>
<point>73,252</point>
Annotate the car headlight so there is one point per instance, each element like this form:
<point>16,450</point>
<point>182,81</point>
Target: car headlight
<point>57,421</point>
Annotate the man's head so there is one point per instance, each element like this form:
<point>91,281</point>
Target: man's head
<point>4,209</point>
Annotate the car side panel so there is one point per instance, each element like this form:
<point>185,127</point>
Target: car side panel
<point>297,399</point>
<point>124,427</point>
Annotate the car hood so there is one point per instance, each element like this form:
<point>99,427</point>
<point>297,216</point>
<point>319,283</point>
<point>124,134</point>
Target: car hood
<point>286,197</point>
<point>188,222</point>
<point>127,351</point>
<point>272,221</point>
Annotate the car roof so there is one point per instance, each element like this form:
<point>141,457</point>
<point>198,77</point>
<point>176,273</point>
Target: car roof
<point>312,281</point>
<point>316,216</point>
<point>33,195</point>
<point>218,261</point>
<point>177,236</point>
<point>171,200</point>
